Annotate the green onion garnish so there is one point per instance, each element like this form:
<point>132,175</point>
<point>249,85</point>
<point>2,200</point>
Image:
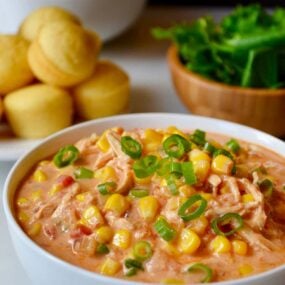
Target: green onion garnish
<point>163,166</point>
<point>230,219</point>
<point>146,166</point>
<point>106,188</point>
<point>198,137</point>
<point>209,148</point>
<point>233,145</point>
<point>142,250</point>
<point>102,249</point>
<point>164,229</point>
<point>171,184</point>
<point>66,156</point>
<point>188,173</point>
<point>175,168</point>
<point>266,186</point>
<point>138,193</point>
<point>131,147</point>
<point>132,266</point>
<point>184,213</point>
<point>200,267</point>
<point>176,146</point>
<point>83,173</point>
<point>131,272</point>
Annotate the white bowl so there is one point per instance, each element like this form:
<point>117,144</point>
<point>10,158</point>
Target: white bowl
<point>108,17</point>
<point>44,268</point>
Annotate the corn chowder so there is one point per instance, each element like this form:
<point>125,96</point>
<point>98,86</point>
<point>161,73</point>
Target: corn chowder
<point>161,206</point>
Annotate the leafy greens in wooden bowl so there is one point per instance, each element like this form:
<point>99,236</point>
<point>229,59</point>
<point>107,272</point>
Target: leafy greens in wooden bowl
<point>246,48</point>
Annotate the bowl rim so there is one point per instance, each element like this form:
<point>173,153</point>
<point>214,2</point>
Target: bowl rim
<point>11,220</point>
<point>173,60</point>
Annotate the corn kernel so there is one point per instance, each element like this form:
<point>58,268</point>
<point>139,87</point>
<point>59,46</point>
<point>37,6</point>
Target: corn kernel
<point>186,191</point>
<point>142,181</point>
<point>103,143</point>
<point>110,267</point>
<point>239,247</point>
<point>80,197</point>
<point>54,189</point>
<point>36,195</point>
<point>220,244</point>
<point>202,169</point>
<point>206,196</point>
<point>104,234</point>
<point>148,207</point>
<point>245,269</point>
<point>173,281</point>
<point>82,221</point>
<point>199,225</point>
<point>122,239</point>
<point>35,229</point>
<point>23,217</point>
<point>198,155</point>
<point>93,216</point>
<point>39,176</point>
<point>247,198</point>
<point>174,131</point>
<point>22,202</point>
<point>117,203</point>
<point>188,241</point>
<point>222,164</point>
<point>225,189</point>
<point>105,174</point>
<point>152,140</point>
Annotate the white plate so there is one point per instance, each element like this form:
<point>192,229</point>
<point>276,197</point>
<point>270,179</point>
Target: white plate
<point>11,148</point>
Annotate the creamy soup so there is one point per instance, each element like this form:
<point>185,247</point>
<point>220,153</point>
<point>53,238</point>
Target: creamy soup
<point>162,206</point>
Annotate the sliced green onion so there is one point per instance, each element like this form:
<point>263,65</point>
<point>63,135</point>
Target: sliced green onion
<point>132,266</point>
<point>131,147</point>
<point>188,173</point>
<point>261,169</point>
<point>133,263</point>
<point>138,193</point>
<point>66,156</point>
<point>208,272</point>
<point>209,147</point>
<point>102,249</point>
<point>175,168</point>
<point>106,188</point>
<point>146,166</point>
<point>223,152</point>
<point>142,250</point>
<point>171,184</point>
<point>164,229</point>
<point>198,137</point>
<point>266,186</point>
<point>176,146</point>
<point>233,145</point>
<point>184,213</point>
<point>163,167</point>
<point>83,173</point>
<point>232,219</point>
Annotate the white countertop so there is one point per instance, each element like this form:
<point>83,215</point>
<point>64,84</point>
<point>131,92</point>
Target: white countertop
<point>152,91</point>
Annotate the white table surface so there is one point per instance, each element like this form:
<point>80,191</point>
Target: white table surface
<point>152,91</point>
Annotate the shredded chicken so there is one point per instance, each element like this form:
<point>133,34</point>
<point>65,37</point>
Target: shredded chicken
<point>114,141</point>
<point>118,223</point>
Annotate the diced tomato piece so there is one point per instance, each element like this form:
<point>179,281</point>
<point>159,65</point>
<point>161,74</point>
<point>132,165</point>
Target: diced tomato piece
<point>65,180</point>
<point>79,231</point>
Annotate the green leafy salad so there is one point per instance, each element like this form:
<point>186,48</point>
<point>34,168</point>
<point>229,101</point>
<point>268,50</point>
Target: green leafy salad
<point>246,48</point>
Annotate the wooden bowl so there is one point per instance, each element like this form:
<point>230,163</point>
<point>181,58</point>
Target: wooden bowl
<point>263,109</point>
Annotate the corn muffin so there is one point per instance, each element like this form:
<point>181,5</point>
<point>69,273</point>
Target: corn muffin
<point>38,18</point>
<point>39,110</point>
<point>1,108</point>
<point>106,93</point>
<point>14,68</point>
<point>64,54</point>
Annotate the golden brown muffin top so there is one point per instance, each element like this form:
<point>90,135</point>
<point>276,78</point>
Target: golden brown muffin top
<point>44,15</point>
<point>69,47</point>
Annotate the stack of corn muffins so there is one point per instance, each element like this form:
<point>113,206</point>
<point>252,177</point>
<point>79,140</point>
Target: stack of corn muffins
<point>50,73</point>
